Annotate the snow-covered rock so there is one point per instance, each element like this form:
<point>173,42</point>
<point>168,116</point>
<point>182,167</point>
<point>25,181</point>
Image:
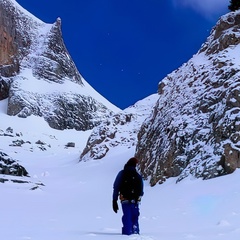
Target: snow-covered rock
<point>41,76</point>
<point>9,166</point>
<point>195,126</point>
<point>119,130</point>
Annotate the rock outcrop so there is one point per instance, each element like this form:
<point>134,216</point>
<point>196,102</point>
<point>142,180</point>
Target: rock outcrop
<point>39,76</point>
<point>9,63</point>
<point>4,89</point>
<point>194,129</point>
<point>119,130</point>
<point>8,166</point>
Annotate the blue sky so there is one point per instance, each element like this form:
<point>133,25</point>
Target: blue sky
<point>123,48</point>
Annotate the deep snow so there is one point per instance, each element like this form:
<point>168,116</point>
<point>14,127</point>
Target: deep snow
<point>75,201</point>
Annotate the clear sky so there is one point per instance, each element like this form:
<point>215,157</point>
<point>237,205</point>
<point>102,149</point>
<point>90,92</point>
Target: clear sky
<point>123,48</point>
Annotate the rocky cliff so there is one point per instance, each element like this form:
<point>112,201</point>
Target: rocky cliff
<point>119,130</point>
<point>38,75</point>
<point>194,129</point>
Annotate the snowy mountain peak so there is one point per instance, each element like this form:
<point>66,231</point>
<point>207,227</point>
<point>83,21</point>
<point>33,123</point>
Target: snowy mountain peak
<point>39,76</point>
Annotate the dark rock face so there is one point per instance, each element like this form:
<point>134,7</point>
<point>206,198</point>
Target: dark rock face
<point>221,38</point>
<point>7,44</point>
<point>194,129</point>
<point>4,89</point>
<point>77,114</point>
<point>39,76</point>
<point>14,38</point>
<point>10,167</point>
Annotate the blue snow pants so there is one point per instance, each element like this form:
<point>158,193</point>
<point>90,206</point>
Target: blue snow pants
<point>130,217</point>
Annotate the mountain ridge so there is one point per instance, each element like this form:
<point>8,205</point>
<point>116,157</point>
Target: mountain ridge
<point>196,121</point>
<point>40,59</point>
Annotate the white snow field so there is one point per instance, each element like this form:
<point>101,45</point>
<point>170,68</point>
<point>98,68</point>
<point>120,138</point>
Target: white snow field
<point>75,202</point>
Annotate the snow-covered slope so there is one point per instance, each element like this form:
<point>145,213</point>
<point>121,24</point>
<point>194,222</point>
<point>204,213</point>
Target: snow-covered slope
<point>72,200</point>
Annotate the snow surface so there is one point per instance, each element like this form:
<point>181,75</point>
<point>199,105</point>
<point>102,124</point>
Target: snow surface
<point>49,88</point>
<point>76,199</point>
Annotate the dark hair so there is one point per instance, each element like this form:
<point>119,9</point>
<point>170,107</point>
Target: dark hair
<point>132,162</point>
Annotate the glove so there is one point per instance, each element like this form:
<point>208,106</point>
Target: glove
<point>115,206</point>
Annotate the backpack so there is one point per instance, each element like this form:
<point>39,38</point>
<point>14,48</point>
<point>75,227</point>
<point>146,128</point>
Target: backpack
<point>131,185</point>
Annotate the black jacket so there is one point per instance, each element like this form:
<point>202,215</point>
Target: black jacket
<point>118,181</point>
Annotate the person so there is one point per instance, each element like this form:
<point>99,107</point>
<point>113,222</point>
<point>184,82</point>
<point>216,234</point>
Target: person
<point>128,187</point>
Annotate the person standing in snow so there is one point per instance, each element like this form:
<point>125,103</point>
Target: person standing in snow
<point>128,186</point>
